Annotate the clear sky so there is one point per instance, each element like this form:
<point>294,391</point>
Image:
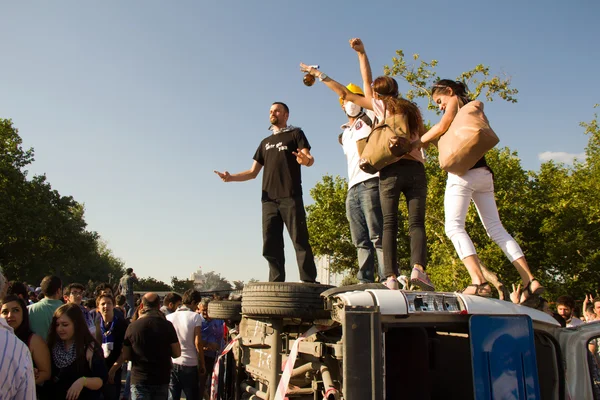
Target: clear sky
<point>131,105</point>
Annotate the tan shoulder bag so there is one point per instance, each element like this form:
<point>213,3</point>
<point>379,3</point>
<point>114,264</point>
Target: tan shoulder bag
<point>467,140</point>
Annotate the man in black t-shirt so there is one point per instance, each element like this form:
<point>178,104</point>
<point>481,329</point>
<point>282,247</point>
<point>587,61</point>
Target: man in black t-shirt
<point>282,154</point>
<point>149,344</point>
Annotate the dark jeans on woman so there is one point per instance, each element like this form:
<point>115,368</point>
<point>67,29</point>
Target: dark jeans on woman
<point>403,177</point>
<point>288,211</point>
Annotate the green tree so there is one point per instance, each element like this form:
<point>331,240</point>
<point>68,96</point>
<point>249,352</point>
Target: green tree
<point>181,285</point>
<point>41,231</point>
<point>151,285</point>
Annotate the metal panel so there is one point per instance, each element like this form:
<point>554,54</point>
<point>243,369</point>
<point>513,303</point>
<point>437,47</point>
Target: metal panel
<point>363,371</point>
<point>503,354</point>
<point>390,302</point>
<point>482,305</point>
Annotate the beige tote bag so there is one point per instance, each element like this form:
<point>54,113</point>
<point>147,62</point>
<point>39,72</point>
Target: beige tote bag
<point>386,144</point>
<point>467,140</point>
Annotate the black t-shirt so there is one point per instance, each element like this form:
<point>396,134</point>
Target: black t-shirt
<point>281,175</point>
<point>118,334</point>
<point>150,339</point>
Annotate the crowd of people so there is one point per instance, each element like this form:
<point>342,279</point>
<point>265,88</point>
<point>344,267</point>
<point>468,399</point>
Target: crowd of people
<point>70,344</point>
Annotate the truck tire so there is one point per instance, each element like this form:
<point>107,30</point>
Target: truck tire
<point>284,300</point>
<point>225,310</point>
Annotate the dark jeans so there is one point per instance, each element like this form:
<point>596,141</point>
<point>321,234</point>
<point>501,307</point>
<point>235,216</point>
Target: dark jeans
<point>407,177</point>
<point>184,379</point>
<point>363,210</point>
<point>130,298</point>
<point>112,391</point>
<point>288,211</point>
<point>140,391</point>
<point>209,362</point>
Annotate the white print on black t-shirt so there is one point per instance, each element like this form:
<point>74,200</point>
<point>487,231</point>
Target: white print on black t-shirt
<point>279,146</point>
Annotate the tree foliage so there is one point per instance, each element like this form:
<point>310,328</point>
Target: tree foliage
<point>181,285</point>
<point>553,213</point>
<point>41,231</point>
<point>151,285</point>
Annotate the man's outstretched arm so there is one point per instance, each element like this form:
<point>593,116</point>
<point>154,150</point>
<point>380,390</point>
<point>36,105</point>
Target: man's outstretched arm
<point>242,176</point>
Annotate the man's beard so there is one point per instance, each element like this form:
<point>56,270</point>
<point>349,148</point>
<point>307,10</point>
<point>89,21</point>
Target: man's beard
<point>274,120</point>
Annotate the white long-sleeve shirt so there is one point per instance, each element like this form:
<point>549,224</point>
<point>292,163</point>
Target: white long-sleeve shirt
<point>16,368</point>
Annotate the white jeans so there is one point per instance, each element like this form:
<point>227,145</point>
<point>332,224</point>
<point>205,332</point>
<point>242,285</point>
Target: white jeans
<point>476,184</point>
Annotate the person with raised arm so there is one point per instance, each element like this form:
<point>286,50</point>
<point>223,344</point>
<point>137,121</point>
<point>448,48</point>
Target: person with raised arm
<point>405,176</point>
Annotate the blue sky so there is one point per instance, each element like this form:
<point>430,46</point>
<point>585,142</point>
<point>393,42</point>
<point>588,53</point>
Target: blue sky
<point>130,106</point>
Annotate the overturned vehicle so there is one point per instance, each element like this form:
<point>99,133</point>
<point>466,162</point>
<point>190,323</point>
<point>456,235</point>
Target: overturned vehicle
<point>310,341</point>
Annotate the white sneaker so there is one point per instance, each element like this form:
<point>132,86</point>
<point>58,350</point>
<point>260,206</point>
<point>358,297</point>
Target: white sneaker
<point>391,283</point>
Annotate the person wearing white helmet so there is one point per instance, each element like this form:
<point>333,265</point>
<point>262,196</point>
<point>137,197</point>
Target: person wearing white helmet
<point>363,208</point>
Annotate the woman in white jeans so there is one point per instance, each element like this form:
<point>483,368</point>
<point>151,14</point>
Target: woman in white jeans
<point>477,185</point>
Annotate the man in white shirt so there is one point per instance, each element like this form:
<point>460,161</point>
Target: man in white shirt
<point>363,208</point>
<point>190,365</point>
<point>565,305</point>
<point>16,368</point>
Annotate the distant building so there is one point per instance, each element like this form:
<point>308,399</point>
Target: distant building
<point>324,274</point>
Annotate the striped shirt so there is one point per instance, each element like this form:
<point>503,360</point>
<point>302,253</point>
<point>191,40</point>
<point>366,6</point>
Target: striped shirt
<point>16,368</point>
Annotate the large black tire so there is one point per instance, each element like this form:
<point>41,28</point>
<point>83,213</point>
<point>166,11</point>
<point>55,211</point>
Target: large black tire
<point>225,310</point>
<point>284,300</point>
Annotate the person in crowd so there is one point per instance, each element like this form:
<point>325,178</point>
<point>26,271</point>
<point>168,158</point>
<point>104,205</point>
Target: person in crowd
<point>565,306</point>
<point>591,308</point>
<point>212,338</point>
<point>405,176</point>
<point>14,311</point>
<point>112,328</point>
<point>120,304</point>
<point>171,303</point>
<point>363,207</point>
<point>78,369</point>
<point>536,302</point>
<point>190,364</point>
<point>103,288</point>
<point>477,185</point>
<point>150,343</point>
<point>73,293</point>
<point>589,315</point>
<point>40,313</point>
<point>282,154</point>
<point>19,289</point>
<point>16,366</point>
<point>32,297</point>
<point>90,305</point>
<point>126,288</point>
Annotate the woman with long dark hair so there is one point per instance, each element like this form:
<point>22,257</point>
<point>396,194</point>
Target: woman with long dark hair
<point>476,184</point>
<point>405,176</point>
<point>14,311</point>
<point>78,369</point>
